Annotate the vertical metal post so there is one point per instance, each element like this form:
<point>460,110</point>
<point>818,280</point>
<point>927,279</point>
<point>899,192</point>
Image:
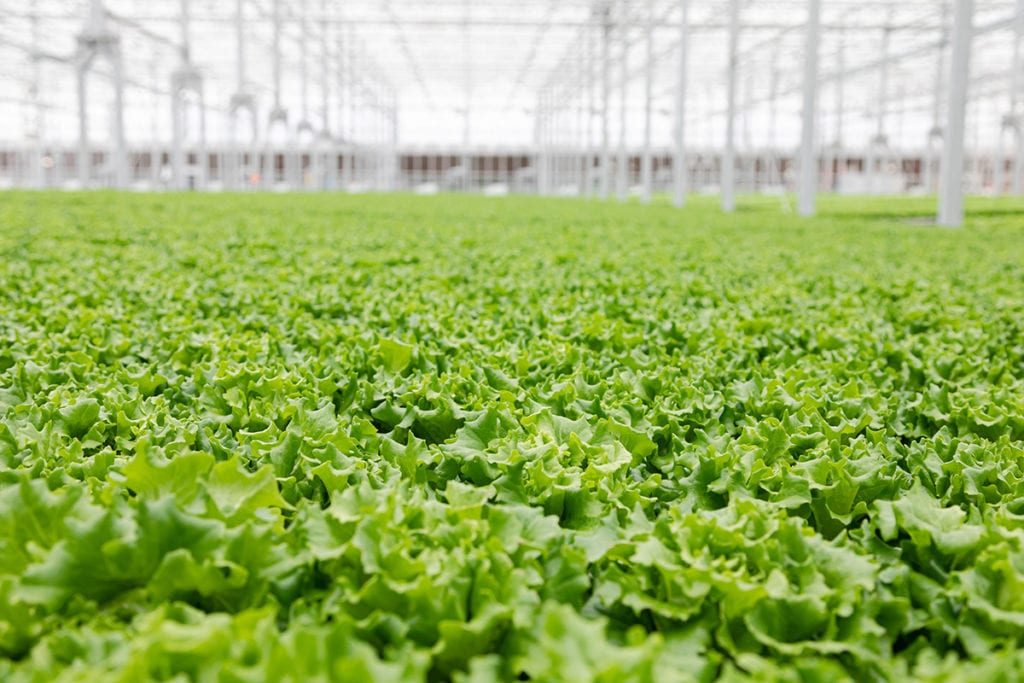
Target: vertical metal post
<point>538,136</point>
<point>178,108</point>
<point>879,141</point>
<point>578,138</point>
<point>622,168</point>
<point>467,161</point>
<point>679,171</point>
<point>883,84</point>
<point>323,155</point>
<point>277,114</point>
<point>276,47</point>
<point>120,151</point>
<point>95,25</point>
<point>647,160</point>
<point>303,129</point>
<point>729,158</point>
<point>304,60</point>
<point>935,133</point>
<point>837,144</point>
<point>1016,105</point>
<point>951,190</point>
<point>93,41</point>
<point>36,92</point>
<point>156,151</point>
<point>202,153</point>
<point>774,172</point>
<point>550,142</point>
<point>354,128</point>
<point>240,43</point>
<point>588,149</point>
<point>84,162</point>
<point>177,135</point>
<point>555,115</point>
<point>396,161</point>
<point>808,153</point>
<point>606,65</point>
<point>233,159</point>
<point>339,155</point>
<point>180,80</point>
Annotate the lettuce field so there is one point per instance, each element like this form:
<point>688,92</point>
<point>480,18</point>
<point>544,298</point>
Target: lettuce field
<point>314,438</point>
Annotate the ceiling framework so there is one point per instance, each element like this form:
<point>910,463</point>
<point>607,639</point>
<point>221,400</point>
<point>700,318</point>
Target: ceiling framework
<point>516,48</point>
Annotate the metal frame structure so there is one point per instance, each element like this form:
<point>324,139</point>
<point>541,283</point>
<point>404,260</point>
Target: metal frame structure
<point>602,98</point>
<point>97,41</point>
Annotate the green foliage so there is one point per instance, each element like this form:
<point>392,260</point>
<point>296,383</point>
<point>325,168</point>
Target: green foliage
<point>272,438</point>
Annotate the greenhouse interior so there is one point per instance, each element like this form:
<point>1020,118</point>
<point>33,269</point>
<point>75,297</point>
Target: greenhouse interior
<point>580,97</point>
<point>654,341</point>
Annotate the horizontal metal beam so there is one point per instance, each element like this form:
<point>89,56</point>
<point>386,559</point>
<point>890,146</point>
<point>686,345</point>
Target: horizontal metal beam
<point>873,64</point>
<point>501,23</point>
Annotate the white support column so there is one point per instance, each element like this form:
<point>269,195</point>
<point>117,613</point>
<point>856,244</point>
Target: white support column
<point>1016,114</point>
<point>156,149</point>
<point>396,160</point>
<point>647,160</point>
<point>837,163</point>
<point>547,136</point>
<point>935,134</point>
<point>728,179</point>
<point>951,190</point>
<point>178,109</point>
<point>774,171</point>
<point>120,151</point>
<point>577,139</point>
<point>354,124</point>
<point>187,79</point>
<point>325,170</point>
<point>591,105</point>
<point>95,25</point>
<point>622,167</point>
<point>276,49</point>
<point>606,66</point>
<point>278,115</point>
<point>539,134</point>
<point>1000,156</point>
<point>467,78</point>
<point>467,160</point>
<point>878,144</point>
<point>588,133</point>
<point>96,40</point>
<point>84,161</point>
<point>233,159</point>
<point>550,151</point>
<point>555,116</point>
<point>202,153</point>
<point>185,19</point>
<point>883,84</point>
<point>240,43</point>
<point>304,62</point>
<point>36,179</point>
<point>679,185</point>
<point>177,136</point>
<point>340,152</point>
<point>304,133</point>
<point>241,103</point>
<point>808,151</point>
